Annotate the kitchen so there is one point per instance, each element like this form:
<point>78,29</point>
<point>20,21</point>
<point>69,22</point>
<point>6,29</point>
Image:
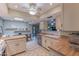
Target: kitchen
<point>42,29</point>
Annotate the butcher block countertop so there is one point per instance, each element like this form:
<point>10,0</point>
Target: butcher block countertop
<point>60,44</point>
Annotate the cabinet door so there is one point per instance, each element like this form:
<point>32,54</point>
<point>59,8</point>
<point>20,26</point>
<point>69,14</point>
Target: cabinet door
<point>71,17</point>
<point>15,46</point>
<point>48,42</point>
<point>43,41</point>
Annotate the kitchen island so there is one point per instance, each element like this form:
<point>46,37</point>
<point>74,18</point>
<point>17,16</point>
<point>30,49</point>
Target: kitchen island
<point>14,44</point>
<point>58,43</point>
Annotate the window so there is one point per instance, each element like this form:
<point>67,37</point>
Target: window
<point>52,25</point>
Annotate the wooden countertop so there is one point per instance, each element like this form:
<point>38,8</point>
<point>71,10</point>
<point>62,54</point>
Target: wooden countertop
<point>13,37</point>
<point>61,45</point>
<point>50,35</point>
<point>51,32</point>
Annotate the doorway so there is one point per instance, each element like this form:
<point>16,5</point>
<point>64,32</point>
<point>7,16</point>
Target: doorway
<point>35,31</point>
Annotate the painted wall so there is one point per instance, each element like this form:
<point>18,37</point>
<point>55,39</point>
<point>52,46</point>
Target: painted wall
<point>3,9</point>
<point>43,25</point>
<point>55,11</point>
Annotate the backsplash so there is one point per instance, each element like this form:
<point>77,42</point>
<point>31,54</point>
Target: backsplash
<point>12,26</point>
<point>68,32</point>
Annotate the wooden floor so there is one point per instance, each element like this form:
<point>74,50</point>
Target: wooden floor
<point>62,46</point>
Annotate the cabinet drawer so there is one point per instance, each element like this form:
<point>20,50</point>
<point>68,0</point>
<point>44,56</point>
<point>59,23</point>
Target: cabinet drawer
<point>15,46</point>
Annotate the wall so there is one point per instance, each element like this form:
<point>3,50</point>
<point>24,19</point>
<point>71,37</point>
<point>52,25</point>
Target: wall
<point>56,13</point>
<point>14,24</point>
<point>58,22</point>
<point>71,17</point>
<point>43,25</point>
<point>56,10</point>
<point>3,9</point>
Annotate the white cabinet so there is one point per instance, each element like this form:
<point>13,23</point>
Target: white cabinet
<point>70,21</point>
<point>46,42</point>
<point>43,41</point>
<point>15,45</point>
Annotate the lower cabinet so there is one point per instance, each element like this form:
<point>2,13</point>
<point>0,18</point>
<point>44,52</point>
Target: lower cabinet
<point>15,46</point>
<point>46,42</point>
<point>43,41</point>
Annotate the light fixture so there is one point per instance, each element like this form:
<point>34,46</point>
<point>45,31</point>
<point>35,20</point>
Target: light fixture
<point>31,7</point>
<point>17,18</point>
<point>32,12</point>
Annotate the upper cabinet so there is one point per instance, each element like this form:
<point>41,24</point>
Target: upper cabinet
<point>70,20</point>
<point>3,9</point>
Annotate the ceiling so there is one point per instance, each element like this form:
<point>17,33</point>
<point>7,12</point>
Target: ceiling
<point>20,10</point>
<point>23,7</point>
